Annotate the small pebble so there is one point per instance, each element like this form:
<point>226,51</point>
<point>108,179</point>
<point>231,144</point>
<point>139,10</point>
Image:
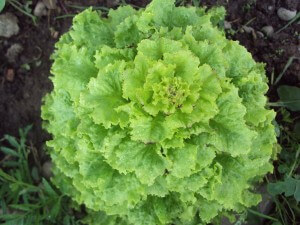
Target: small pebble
<point>40,9</point>
<point>8,25</point>
<point>268,30</point>
<point>47,169</point>
<point>227,25</point>
<point>248,29</point>
<point>10,75</point>
<point>260,34</point>
<point>270,8</point>
<point>13,52</point>
<point>286,14</point>
<point>54,34</point>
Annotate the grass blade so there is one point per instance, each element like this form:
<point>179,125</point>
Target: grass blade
<point>262,215</point>
<point>12,140</point>
<point>287,65</point>
<point>49,190</point>
<point>9,151</point>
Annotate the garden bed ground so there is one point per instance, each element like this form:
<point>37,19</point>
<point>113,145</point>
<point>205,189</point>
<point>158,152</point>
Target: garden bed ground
<point>24,82</point>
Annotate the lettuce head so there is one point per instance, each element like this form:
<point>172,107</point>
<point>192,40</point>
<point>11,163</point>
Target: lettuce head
<point>157,118</point>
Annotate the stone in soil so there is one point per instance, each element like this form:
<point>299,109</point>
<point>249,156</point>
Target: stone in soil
<point>10,75</point>
<point>47,169</point>
<point>40,9</point>
<point>268,30</point>
<point>248,30</point>
<point>8,25</point>
<point>13,52</point>
<point>227,25</point>
<point>285,14</point>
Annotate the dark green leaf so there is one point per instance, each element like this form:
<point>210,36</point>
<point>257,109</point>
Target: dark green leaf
<point>35,173</point>
<point>290,187</point>
<point>10,164</point>
<point>49,190</point>
<point>6,176</point>
<point>31,219</point>
<point>66,220</point>
<point>9,151</point>
<point>12,140</point>
<point>55,209</point>
<point>3,205</point>
<point>10,216</point>
<point>23,133</point>
<point>277,223</point>
<point>297,130</point>
<point>24,207</point>
<point>31,189</point>
<point>289,97</point>
<point>297,191</point>
<point>2,4</point>
<point>15,221</point>
<point>283,169</point>
<point>276,188</point>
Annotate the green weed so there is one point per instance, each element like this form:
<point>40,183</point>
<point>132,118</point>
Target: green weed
<point>22,6</point>
<point>26,197</point>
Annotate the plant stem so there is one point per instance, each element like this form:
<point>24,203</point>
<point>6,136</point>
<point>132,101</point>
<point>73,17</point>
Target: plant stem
<point>262,215</point>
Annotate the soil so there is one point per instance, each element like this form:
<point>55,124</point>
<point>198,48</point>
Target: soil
<point>24,83</point>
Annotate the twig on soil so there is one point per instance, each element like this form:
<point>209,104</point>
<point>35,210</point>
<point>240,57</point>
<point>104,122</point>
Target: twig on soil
<point>63,7</point>
<point>250,21</point>
<point>84,7</point>
<point>246,24</point>
<point>64,16</point>
<point>272,77</point>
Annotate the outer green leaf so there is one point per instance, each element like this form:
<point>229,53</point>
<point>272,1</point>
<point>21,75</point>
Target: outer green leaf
<point>128,156</point>
<point>184,160</point>
<point>104,97</point>
<point>91,31</point>
<point>73,64</point>
<point>232,134</point>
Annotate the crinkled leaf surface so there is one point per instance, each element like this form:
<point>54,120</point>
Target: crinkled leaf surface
<point>157,118</point>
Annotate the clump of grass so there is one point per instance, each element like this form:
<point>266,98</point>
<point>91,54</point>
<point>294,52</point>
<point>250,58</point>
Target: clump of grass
<point>25,196</point>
